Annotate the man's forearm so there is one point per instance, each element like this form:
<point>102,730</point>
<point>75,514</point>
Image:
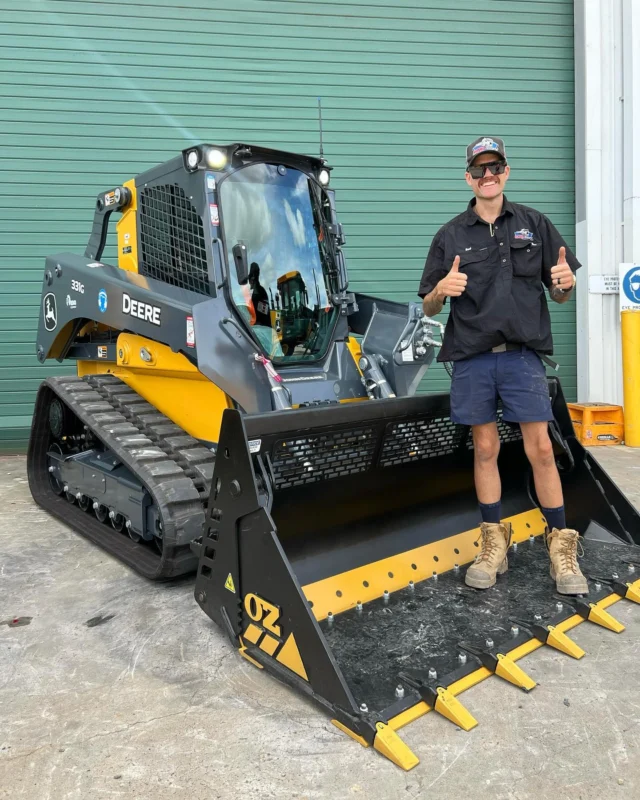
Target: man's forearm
<point>557,295</point>
<point>433,303</point>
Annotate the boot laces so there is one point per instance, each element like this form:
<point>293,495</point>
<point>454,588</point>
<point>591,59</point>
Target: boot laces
<point>489,546</point>
<point>569,546</point>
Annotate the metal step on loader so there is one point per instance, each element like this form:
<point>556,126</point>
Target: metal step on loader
<point>237,412</point>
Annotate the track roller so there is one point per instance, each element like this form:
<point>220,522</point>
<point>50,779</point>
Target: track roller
<point>117,521</point>
<point>101,512</point>
<point>135,537</point>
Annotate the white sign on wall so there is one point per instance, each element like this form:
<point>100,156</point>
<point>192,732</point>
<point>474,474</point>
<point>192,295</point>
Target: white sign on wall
<point>629,286</point>
<point>604,284</point>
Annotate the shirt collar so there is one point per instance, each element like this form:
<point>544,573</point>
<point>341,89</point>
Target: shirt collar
<point>472,217</point>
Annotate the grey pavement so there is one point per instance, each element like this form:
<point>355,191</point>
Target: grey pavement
<point>154,703</point>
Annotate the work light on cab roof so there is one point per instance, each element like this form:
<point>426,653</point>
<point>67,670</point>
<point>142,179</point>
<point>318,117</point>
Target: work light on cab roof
<point>221,157</point>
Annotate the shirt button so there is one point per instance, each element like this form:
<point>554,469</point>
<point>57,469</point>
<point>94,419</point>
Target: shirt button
<point>504,260</point>
<point>501,243</point>
<point>528,249</point>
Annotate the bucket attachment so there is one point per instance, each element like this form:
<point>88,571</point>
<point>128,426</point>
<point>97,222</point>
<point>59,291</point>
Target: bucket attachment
<point>334,549</point>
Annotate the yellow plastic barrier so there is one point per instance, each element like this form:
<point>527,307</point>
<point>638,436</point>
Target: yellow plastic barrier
<point>631,376</point>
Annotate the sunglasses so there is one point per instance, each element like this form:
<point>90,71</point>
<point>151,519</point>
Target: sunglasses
<point>494,167</point>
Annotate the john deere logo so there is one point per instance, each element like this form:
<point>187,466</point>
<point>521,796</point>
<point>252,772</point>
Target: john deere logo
<point>50,312</point>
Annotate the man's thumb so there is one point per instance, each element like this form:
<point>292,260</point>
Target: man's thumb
<point>456,264</point>
<point>562,255</point>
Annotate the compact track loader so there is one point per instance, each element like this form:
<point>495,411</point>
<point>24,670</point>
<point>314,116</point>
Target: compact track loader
<point>239,413</point>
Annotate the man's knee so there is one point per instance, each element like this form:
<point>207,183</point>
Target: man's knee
<point>539,449</point>
<point>486,444</point>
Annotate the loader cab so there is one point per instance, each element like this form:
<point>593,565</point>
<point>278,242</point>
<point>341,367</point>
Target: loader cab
<point>280,217</point>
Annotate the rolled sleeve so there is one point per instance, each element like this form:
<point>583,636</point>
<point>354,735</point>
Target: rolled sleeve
<point>434,267</point>
<point>552,241</point>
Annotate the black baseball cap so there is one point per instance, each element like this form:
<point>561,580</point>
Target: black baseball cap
<point>485,144</point>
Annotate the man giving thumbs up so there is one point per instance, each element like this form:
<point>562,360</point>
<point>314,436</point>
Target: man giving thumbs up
<point>493,261</point>
<point>454,284</point>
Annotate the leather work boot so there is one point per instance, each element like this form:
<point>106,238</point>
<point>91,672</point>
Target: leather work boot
<point>563,546</point>
<point>492,558</point>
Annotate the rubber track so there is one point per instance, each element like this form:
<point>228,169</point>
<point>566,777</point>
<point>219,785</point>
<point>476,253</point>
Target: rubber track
<point>195,459</point>
<point>173,466</point>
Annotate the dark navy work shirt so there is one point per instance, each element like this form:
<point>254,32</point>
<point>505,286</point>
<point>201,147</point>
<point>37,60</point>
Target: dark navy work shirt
<point>508,264</point>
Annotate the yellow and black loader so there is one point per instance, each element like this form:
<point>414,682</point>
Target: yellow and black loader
<point>237,412</point>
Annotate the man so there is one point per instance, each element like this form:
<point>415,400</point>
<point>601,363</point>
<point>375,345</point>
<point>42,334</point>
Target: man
<point>492,261</point>
<point>259,297</point>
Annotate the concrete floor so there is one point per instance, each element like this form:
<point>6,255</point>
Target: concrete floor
<point>153,702</point>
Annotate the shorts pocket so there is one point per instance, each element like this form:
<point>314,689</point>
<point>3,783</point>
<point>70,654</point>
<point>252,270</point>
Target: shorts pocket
<point>461,367</point>
<point>534,373</point>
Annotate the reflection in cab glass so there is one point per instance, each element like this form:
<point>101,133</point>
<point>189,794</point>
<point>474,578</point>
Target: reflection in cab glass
<point>279,215</point>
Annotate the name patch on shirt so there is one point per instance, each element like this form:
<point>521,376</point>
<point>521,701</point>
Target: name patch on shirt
<point>524,233</point>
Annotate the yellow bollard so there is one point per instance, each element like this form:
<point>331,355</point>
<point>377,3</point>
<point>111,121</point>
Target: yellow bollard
<point>631,375</point>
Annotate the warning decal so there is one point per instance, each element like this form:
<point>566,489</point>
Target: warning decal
<point>228,584</point>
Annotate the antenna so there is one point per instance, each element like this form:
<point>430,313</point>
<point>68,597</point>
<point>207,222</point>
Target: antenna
<point>320,122</point>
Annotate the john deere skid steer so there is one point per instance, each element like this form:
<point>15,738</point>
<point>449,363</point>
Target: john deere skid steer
<point>239,413</point>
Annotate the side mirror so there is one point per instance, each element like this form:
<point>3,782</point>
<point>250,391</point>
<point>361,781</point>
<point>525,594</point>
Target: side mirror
<point>241,261</point>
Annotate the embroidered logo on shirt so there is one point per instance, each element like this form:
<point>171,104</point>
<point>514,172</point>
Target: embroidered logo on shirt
<point>523,234</point>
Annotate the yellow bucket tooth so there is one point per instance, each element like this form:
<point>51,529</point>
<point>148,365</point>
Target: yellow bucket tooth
<point>633,592</point>
<point>510,671</point>
<point>390,745</point>
<point>453,710</point>
<point>604,618</point>
<point>562,642</point>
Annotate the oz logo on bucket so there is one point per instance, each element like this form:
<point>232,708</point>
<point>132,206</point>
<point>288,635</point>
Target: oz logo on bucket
<point>631,285</point>
<point>49,311</point>
<point>102,300</point>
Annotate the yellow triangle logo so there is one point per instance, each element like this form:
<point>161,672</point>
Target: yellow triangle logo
<point>228,584</point>
<point>289,655</point>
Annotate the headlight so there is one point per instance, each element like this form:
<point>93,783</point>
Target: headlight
<point>216,159</point>
<point>192,159</point>
<point>323,177</point>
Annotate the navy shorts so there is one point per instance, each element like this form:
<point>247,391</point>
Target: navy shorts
<point>517,377</point>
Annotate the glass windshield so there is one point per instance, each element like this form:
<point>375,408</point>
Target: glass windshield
<point>277,213</point>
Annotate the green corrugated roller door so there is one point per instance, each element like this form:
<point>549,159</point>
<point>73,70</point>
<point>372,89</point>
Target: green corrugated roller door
<point>93,92</point>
